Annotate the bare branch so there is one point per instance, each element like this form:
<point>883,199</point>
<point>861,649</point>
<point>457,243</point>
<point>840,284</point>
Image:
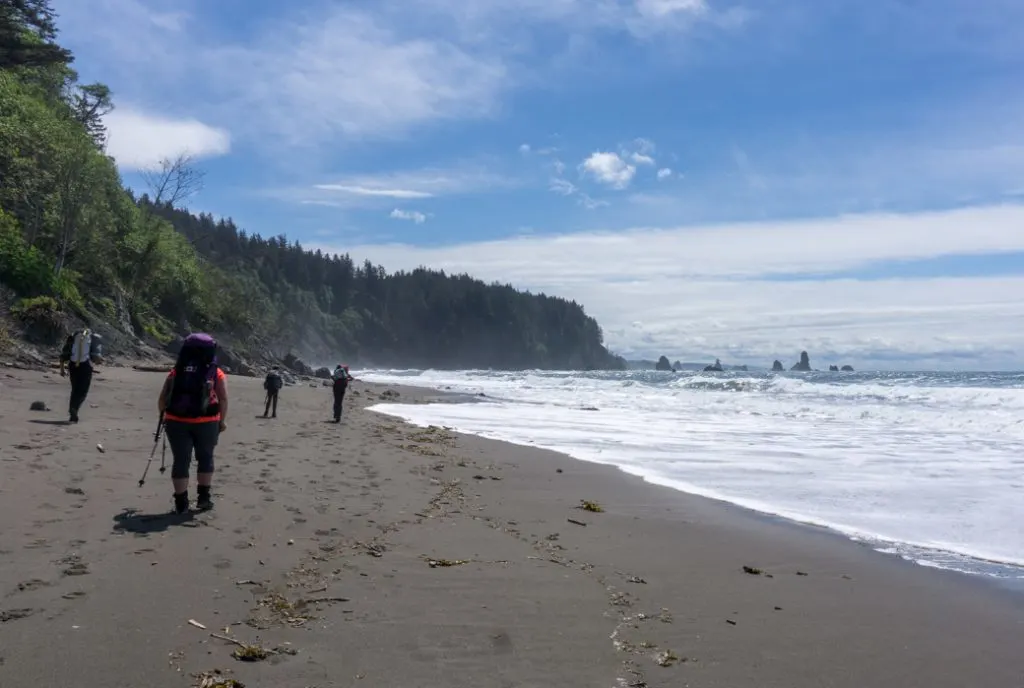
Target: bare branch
<point>175,181</point>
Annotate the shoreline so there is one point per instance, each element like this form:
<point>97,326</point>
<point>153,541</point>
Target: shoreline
<point>377,552</point>
<point>955,556</point>
<point>872,544</point>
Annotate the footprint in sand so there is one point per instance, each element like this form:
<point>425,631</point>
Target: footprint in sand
<point>33,584</point>
<point>15,614</point>
<point>74,566</point>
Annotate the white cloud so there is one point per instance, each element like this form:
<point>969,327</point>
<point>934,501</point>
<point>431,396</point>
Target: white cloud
<point>659,9</point>
<point>139,140</point>
<point>524,149</point>
<point>609,168</point>
<point>664,173</point>
<point>641,159</point>
<point>562,186</point>
<point>341,72</point>
<point>411,215</point>
<point>364,191</point>
<point>710,291</point>
<point>372,190</point>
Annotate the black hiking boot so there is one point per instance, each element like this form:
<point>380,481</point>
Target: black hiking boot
<point>181,502</point>
<point>203,501</point>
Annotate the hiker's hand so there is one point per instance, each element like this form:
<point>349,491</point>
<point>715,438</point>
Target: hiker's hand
<point>223,426</point>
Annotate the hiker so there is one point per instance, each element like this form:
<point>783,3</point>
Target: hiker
<point>194,404</point>
<point>341,378</point>
<point>81,350</point>
<point>273,385</point>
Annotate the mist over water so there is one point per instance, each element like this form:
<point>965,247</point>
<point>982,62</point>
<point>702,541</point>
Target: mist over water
<point>929,466</point>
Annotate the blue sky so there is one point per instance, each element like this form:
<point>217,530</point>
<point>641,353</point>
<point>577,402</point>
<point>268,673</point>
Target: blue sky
<point>709,178</point>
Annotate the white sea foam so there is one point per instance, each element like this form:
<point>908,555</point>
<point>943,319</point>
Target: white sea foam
<point>928,466</point>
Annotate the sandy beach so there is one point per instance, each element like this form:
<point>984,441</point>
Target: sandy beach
<point>376,553</point>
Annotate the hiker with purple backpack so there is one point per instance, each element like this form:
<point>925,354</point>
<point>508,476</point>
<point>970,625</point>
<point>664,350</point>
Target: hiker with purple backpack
<point>194,405</point>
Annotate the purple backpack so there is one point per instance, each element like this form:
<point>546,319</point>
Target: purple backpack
<point>195,374</point>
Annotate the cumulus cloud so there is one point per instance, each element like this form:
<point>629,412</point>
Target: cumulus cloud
<point>138,140</point>
<point>664,173</point>
<point>609,169</point>
<point>755,291</point>
<point>411,215</point>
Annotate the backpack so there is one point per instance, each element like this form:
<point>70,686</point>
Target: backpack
<point>273,383</point>
<point>81,346</point>
<point>192,393</point>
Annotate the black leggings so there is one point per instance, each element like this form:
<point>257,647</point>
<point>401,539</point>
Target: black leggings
<point>81,379</point>
<point>186,437</point>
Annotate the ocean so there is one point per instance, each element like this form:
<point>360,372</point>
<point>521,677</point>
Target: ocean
<point>926,466</point>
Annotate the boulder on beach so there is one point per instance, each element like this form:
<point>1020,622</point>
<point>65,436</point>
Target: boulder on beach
<point>804,365</point>
<point>296,364</point>
<point>323,373</point>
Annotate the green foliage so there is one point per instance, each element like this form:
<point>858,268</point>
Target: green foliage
<point>68,227</point>
<point>27,271</point>
<point>37,309</point>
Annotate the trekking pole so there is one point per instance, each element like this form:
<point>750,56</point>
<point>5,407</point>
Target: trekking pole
<point>156,442</point>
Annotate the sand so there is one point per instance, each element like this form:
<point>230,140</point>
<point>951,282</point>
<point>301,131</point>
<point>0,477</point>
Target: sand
<point>375,553</point>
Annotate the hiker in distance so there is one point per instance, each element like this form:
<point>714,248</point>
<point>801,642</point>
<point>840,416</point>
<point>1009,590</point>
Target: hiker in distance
<point>340,378</point>
<point>273,385</point>
<point>194,406</point>
<point>81,350</point>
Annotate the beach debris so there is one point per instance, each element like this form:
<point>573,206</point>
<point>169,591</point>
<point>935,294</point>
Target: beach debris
<point>575,522</point>
<point>284,612</point>
<point>753,570</point>
<point>193,622</point>
<point>636,579</point>
<point>246,581</point>
<point>249,652</point>
<point>74,490</point>
<point>100,448</point>
<point>435,563</point>
<point>666,658</point>
<point>215,679</point>
<point>559,470</point>
<point>38,406</point>
<point>730,622</point>
<point>372,548</point>
<point>587,505</point>
<point>778,609</point>
<point>802,573</point>
<point>291,542</point>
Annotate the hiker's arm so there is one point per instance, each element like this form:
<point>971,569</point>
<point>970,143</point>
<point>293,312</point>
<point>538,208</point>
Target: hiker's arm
<point>65,355</point>
<point>220,386</point>
<point>161,403</point>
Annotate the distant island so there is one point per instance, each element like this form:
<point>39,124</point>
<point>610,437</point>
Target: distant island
<point>663,364</point>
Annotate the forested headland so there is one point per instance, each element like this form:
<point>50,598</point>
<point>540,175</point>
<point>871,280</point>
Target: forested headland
<point>76,245</point>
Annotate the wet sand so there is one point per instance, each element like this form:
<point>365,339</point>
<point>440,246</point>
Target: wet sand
<point>376,553</point>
